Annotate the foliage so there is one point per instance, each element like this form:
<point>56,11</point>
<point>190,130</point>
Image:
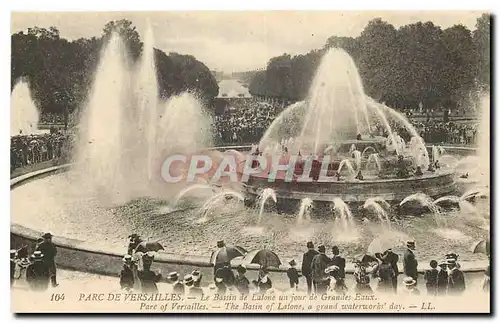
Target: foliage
<point>416,63</point>
<point>60,72</point>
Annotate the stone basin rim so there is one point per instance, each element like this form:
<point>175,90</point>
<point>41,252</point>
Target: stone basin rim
<point>163,257</point>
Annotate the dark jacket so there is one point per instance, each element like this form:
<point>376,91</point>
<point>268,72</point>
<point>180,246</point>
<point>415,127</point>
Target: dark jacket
<point>339,262</point>
<point>241,283</point>
<point>393,259</point>
<point>263,287</point>
<point>442,282</point>
<point>37,276</point>
<point>148,280</point>
<point>12,270</point>
<point>318,265</point>
<point>126,278</point>
<point>307,260</point>
<point>431,277</point>
<point>410,264</point>
<point>49,251</point>
<point>456,281</point>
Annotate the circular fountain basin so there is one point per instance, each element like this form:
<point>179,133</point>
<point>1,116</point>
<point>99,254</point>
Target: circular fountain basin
<point>64,208</point>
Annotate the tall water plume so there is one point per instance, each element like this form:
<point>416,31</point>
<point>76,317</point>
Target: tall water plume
<point>100,150</point>
<point>23,112</point>
<point>147,100</point>
<point>336,104</point>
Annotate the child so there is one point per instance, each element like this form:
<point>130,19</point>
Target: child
<point>431,278</point>
<point>293,275</point>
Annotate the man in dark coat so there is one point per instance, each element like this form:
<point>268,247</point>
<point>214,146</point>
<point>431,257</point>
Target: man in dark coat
<point>339,275</point>
<point>127,273</point>
<point>393,259</point>
<point>410,263</point>
<point>177,286</point>
<point>442,278</point>
<point>37,273</point>
<point>306,265</point>
<point>320,262</point>
<point>456,279</point>
<point>148,277</point>
<point>49,251</point>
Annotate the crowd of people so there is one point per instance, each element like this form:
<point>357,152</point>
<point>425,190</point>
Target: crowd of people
<point>319,272</point>
<point>51,118</point>
<point>247,121</point>
<point>32,149</point>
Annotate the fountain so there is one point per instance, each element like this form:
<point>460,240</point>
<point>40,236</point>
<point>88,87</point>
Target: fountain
<point>304,211</point>
<point>216,201</point>
<point>379,211</point>
<point>264,196</point>
<point>23,112</point>
<point>120,113</point>
<point>337,120</point>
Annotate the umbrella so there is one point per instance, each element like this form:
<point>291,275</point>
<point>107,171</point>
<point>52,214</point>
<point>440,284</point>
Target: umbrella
<point>482,246</point>
<point>146,246</point>
<point>380,245</point>
<point>265,258</point>
<point>226,254</point>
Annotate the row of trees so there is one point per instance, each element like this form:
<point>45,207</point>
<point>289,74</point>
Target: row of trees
<point>416,63</point>
<point>60,72</point>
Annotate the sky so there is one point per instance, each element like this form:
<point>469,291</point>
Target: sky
<point>236,41</point>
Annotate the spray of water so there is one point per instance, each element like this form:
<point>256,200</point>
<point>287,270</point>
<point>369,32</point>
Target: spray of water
<point>215,202</point>
<point>373,158</point>
<point>23,112</point>
<point>357,158</point>
<point>263,197</point>
<point>347,164</point>
<point>304,211</point>
<point>372,204</point>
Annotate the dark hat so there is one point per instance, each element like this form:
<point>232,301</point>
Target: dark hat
<point>322,249</point>
<point>13,252</point>
<point>310,245</point>
<point>292,262</point>
<point>127,258</point>
<point>335,250</point>
<point>220,244</point>
<point>410,243</point>
<point>134,235</point>
<point>188,280</point>
<point>47,235</point>
<point>37,255</point>
<point>451,255</point>
<point>241,269</point>
<point>173,276</point>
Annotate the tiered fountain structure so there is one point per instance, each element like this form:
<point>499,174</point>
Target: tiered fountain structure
<point>339,125</point>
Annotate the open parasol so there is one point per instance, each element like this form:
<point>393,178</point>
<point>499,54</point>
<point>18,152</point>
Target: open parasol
<point>482,246</point>
<point>265,258</point>
<point>146,246</point>
<point>226,254</point>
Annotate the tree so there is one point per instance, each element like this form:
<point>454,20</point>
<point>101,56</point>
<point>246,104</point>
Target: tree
<point>377,57</point>
<point>458,69</point>
<point>482,43</point>
<point>128,34</point>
